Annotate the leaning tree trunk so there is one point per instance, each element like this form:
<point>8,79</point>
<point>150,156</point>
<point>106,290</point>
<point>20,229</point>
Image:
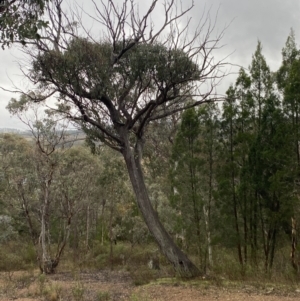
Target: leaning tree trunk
<point>181,263</point>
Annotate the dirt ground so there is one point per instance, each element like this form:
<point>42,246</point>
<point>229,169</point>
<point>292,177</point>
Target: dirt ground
<point>118,285</point>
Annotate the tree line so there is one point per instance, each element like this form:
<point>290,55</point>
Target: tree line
<point>223,175</point>
<point>235,171</point>
<point>57,195</point>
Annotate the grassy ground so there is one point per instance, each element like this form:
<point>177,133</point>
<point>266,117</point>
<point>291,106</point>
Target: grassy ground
<point>118,285</point>
<point>95,275</point>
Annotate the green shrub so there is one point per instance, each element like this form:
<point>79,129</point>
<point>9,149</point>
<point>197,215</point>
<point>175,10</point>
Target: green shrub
<point>103,296</point>
<point>29,254</point>
<point>78,291</point>
<point>143,275</point>
<point>10,261</point>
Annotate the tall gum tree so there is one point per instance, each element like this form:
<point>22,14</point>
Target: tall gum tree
<point>229,169</point>
<point>245,121</point>
<point>137,73</point>
<point>184,175</point>
<point>261,81</point>
<point>209,122</point>
<point>288,79</point>
<point>262,88</point>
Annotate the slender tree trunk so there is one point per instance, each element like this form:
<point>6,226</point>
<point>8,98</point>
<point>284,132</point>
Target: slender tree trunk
<point>255,224</point>
<point>195,210</point>
<point>61,246</point>
<point>251,231</point>
<point>239,248</point>
<point>273,246</point>
<point>244,194</point>
<point>245,211</point>
<point>297,137</point>
<point>102,222</point>
<point>294,244</point>
<point>274,230</point>
<point>45,259</point>
<point>208,235</point>
<point>111,236</point>
<point>265,238</point>
<point>234,197</point>
<point>210,197</point>
<point>183,266</point>
<point>33,234</point>
<point>87,226</point>
<point>245,239</point>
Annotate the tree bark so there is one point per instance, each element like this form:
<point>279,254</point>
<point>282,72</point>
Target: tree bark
<point>44,256</point>
<point>181,263</point>
<point>208,235</point>
<point>87,238</point>
<point>294,245</point>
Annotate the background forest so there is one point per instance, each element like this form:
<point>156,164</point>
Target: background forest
<point>223,177</point>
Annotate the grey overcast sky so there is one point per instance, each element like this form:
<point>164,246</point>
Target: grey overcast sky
<point>248,21</point>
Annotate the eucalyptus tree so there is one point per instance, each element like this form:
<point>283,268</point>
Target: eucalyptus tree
<point>20,20</point>
<point>159,139</point>
<point>262,91</point>
<point>50,139</point>
<point>22,189</point>
<point>75,193</point>
<point>116,198</point>
<point>245,136</point>
<point>51,184</point>
<point>237,133</point>
<point>272,176</point>
<point>290,54</point>
<point>270,166</point>
<point>261,81</point>
<point>186,178</point>
<point>228,173</point>
<point>193,178</point>
<point>16,170</point>
<point>209,148</point>
<point>137,73</point>
<point>288,77</point>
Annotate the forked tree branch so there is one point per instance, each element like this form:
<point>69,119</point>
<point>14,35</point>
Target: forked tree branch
<point>101,86</point>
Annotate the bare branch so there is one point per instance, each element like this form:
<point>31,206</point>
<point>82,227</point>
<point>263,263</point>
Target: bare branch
<point>139,72</point>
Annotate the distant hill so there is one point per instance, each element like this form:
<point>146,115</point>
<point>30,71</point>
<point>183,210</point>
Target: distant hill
<point>28,132</point>
<point>73,134</point>
<point>11,130</point>
<point>15,131</point>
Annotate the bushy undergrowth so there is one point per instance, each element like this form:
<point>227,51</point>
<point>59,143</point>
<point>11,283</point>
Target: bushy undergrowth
<point>15,256</point>
<point>227,267</point>
<point>100,257</point>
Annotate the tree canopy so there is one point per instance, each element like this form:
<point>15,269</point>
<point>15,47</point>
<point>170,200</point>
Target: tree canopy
<point>20,20</point>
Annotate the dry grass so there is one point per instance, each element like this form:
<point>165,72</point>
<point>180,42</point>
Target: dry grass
<point>94,275</point>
